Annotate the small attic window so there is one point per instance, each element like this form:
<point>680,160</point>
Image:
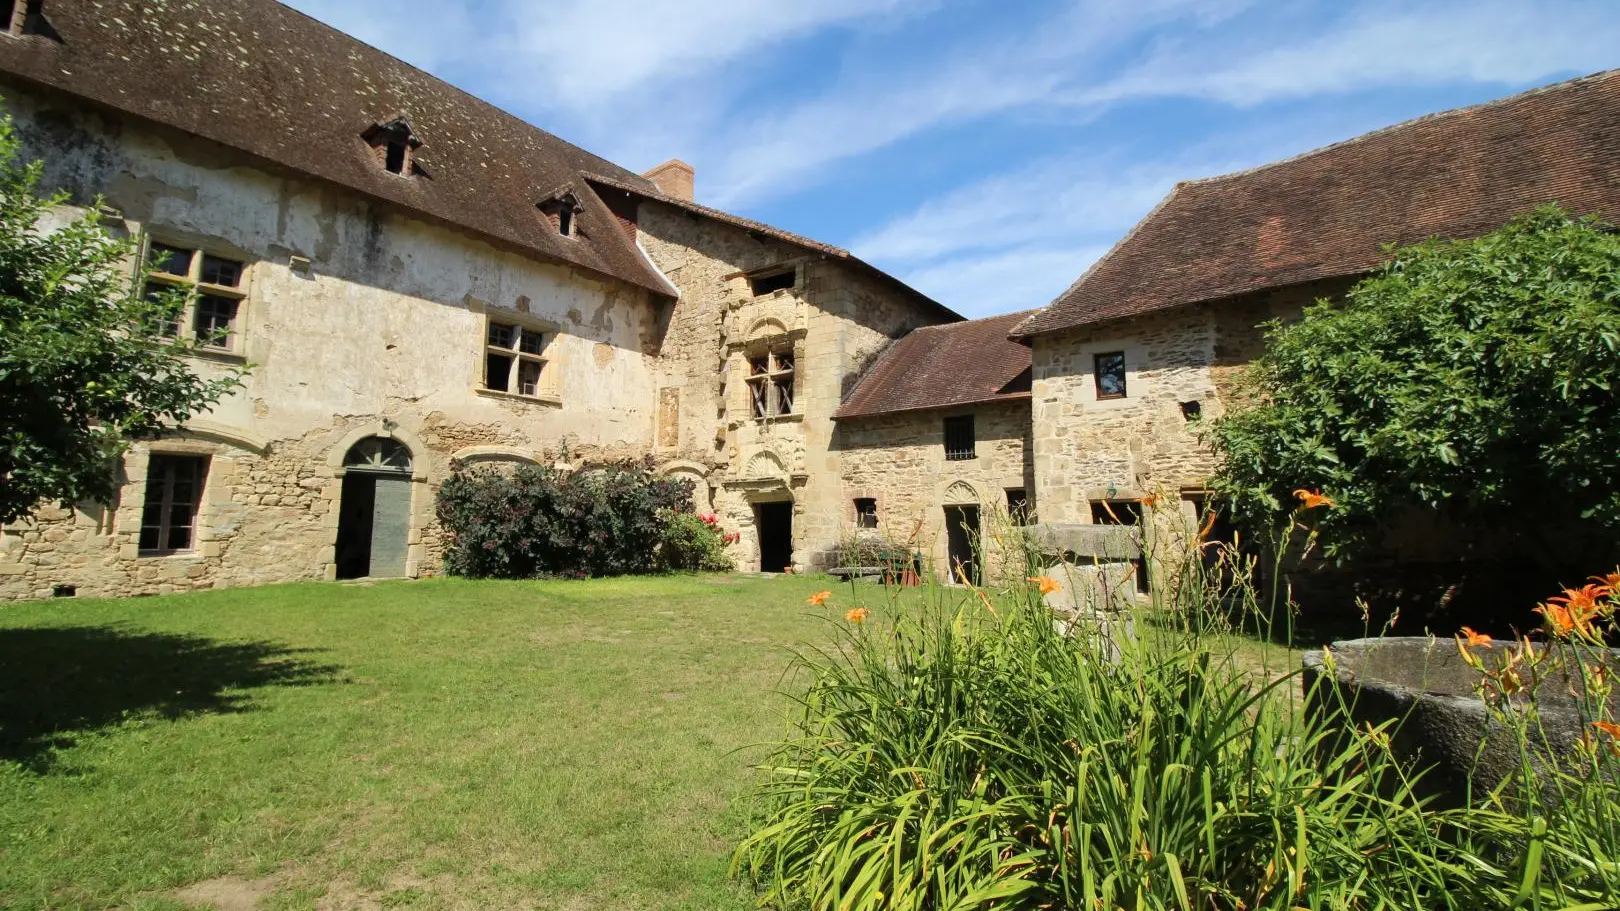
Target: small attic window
<point>562,210</point>
<point>394,157</point>
<point>762,285</point>
<point>395,145</point>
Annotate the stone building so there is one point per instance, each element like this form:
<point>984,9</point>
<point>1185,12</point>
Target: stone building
<point>418,281</point>
<point>1149,341</point>
<point>933,445</point>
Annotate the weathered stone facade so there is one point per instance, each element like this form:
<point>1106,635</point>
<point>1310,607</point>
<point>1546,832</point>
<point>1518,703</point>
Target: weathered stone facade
<point>382,335</point>
<point>898,460</point>
<point>831,319</point>
<point>361,322</point>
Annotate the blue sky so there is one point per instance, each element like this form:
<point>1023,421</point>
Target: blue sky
<point>986,152</point>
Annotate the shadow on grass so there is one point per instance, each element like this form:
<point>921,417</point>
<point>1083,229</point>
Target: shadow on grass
<point>58,683</point>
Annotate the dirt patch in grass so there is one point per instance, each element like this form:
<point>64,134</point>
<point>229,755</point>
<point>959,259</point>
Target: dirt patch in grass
<point>229,893</point>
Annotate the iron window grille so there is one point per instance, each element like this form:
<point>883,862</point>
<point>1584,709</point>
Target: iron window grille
<point>1110,371</point>
<point>959,441</point>
<point>174,485</point>
<point>209,289</point>
<point>770,383</point>
<point>513,359</point>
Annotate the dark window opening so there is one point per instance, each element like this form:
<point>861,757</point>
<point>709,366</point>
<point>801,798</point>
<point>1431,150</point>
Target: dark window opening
<point>167,323</point>
<point>762,285</point>
<point>1192,410</point>
<point>25,18</point>
<point>498,372</point>
<point>220,271</point>
<point>170,260</point>
<point>64,591</point>
<point>1111,375</point>
<point>959,442</point>
<point>565,222</point>
<point>1116,512</point>
<point>394,158</point>
<point>866,512</point>
<point>1018,505</point>
<point>173,490</point>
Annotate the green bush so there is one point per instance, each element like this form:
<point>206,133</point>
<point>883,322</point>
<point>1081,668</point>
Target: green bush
<point>968,754</point>
<point>600,520</point>
<point>694,542</point>
<point>1474,379</point>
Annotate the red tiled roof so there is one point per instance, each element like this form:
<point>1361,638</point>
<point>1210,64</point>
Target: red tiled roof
<point>942,367</point>
<point>265,79</point>
<point>1327,213</point>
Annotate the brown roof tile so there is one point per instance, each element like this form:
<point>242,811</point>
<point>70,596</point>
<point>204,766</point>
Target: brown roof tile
<point>942,367</point>
<point>272,82</point>
<point>1326,213</point>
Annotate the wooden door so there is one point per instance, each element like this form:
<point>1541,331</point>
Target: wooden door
<point>390,525</point>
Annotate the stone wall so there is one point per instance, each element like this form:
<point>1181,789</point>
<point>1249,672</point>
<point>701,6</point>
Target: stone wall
<point>383,334</point>
<point>832,319</point>
<point>899,461</point>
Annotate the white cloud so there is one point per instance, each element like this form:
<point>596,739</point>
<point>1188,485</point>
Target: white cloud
<point>1379,45</point>
<point>1020,279</point>
<point>589,52</point>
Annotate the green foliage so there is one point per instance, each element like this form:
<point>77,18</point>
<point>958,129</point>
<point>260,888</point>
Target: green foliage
<point>83,369</point>
<point>973,756</point>
<point>601,520</point>
<point>693,542</point>
<point>1476,378</point>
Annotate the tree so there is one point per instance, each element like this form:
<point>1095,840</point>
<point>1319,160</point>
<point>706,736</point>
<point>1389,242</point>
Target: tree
<point>84,364</point>
<point>1474,378</point>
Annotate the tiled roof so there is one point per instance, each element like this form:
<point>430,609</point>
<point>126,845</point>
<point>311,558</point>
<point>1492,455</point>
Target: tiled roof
<point>644,191</point>
<point>272,82</point>
<point>942,367</point>
<point>1326,213</point>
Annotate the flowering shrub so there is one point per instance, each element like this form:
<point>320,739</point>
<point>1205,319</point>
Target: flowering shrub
<point>601,520</point>
<point>696,542</point>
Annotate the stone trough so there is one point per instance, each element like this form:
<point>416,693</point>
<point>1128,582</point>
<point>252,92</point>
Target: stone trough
<point>1424,685</point>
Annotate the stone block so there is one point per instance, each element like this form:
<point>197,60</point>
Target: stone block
<point>1088,542</point>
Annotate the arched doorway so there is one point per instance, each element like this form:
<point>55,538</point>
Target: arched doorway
<point>374,515</point>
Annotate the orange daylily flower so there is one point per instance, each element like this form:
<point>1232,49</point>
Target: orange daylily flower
<point>857,614</point>
<point>1574,610</point>
<point>1608,727</point>
<point>820,598</point>
<point>1583,600</point>
<point>1610,581</point>
<point>1310,499</point>
<point>1151,501</point>
<point>1470,638</point>
<point>1558,619</point>
<point>1046,584</point>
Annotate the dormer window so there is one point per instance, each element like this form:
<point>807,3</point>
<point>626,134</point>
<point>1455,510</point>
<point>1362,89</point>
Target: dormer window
<point>23,17</point>
<point>395,145</point>
<point>562,210</point>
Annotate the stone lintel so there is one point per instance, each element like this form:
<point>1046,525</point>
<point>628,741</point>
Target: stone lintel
<point>1088,542</point>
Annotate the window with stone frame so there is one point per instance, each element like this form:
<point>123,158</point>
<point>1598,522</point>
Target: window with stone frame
<point>174,486</point>
<point>866,512</point>
<point>206,293</point>
<point>514,359</point>
<point>1110,373</point>
<point>770,382</point>
<point>24,17</point>
<point>763,283</point>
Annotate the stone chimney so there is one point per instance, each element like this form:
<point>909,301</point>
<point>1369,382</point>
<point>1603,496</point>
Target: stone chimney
<point>674,178</point>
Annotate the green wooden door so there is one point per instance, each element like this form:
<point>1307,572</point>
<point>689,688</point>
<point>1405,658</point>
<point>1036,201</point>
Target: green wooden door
<point>390,526</point>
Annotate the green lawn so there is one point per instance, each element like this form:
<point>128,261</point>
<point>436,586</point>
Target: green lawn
<point>436,744</point>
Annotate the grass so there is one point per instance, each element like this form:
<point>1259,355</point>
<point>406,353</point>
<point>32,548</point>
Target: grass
<point>436,744</point>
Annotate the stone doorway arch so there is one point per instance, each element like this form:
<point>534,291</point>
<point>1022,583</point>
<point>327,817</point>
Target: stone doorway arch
<point>374,510</point>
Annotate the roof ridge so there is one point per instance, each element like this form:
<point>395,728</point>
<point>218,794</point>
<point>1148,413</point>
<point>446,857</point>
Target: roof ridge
<point>1401,125</point>
<point>660,196</point>
<point>451,85</point>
